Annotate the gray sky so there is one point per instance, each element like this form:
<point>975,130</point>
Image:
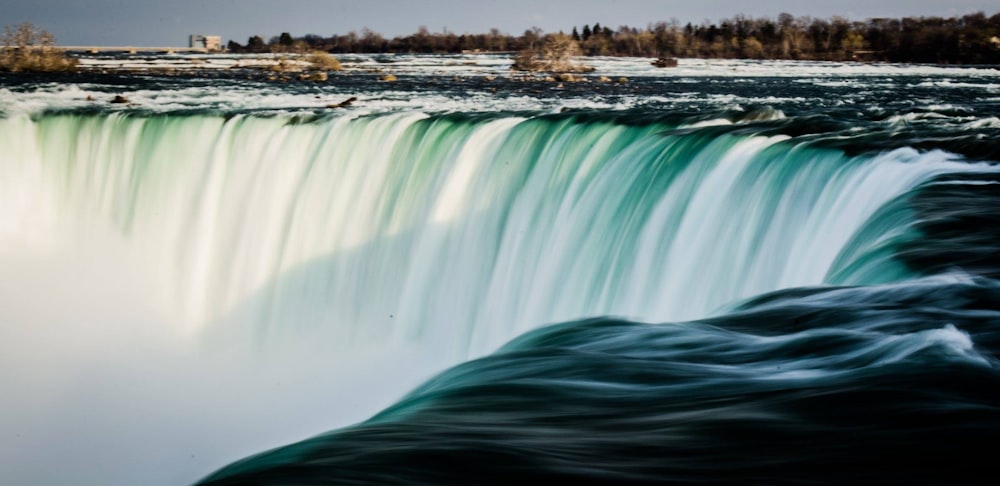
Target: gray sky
<point>168,22</point>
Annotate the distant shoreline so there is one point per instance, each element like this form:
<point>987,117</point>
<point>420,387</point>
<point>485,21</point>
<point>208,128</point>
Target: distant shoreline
<point>972,39</point>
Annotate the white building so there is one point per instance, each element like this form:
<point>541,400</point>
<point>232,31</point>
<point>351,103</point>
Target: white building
<point>210,42</point>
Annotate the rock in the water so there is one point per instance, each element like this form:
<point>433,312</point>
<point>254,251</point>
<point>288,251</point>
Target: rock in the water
<point>318,76</point>
<point>343,104</point>
<point>119,99</point>
<point>665,62</point>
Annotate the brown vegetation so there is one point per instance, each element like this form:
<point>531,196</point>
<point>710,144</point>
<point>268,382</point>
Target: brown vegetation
<point>555,55</point>
<point>26,48</point>
<point>323,61</point>
<point>313,67</point>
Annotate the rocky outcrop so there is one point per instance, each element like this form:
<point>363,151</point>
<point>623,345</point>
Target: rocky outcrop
<point>664,62</point>
<point>343,104</point>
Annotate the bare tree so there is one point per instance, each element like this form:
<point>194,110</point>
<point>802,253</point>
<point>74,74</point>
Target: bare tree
<point>29,49</point>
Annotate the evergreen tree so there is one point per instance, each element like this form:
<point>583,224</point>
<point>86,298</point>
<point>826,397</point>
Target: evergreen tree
<point>586,32</point>
<point>576,35</point>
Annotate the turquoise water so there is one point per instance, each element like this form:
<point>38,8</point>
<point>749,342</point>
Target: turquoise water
<point>465,230</point>
<point>224,265</point>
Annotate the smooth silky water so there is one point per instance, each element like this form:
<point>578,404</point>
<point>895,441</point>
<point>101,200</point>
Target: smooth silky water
<point>226,266</point>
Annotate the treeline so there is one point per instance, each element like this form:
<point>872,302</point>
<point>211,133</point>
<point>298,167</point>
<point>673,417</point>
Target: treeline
<point>423,41</point>
<point>970,39</point>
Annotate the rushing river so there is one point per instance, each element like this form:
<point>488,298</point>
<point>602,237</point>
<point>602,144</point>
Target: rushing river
<point>728,271</point>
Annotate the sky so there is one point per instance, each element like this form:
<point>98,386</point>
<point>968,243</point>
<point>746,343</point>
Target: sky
<point>169,22</point>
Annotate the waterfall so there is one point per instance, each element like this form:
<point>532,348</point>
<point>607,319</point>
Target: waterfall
<point>457,230</point>
<point>179,291</point>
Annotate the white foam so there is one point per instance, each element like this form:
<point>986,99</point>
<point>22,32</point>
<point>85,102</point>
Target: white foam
<point>238,94</point>
<point>990,122</point>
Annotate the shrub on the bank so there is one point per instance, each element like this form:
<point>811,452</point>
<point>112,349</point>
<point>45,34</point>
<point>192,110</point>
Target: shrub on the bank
<point>555,55</point>
<point>26,48</point>
<point>323,61</point>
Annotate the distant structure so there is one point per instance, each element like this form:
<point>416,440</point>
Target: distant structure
<point>210,42</point>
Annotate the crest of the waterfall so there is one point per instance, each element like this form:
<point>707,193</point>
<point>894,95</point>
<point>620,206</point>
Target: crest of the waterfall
<point>461,231</point>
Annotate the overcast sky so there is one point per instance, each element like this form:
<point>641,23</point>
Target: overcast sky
<point>168,22</point>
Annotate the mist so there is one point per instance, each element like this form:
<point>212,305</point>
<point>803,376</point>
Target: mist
<point>102,387</point>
